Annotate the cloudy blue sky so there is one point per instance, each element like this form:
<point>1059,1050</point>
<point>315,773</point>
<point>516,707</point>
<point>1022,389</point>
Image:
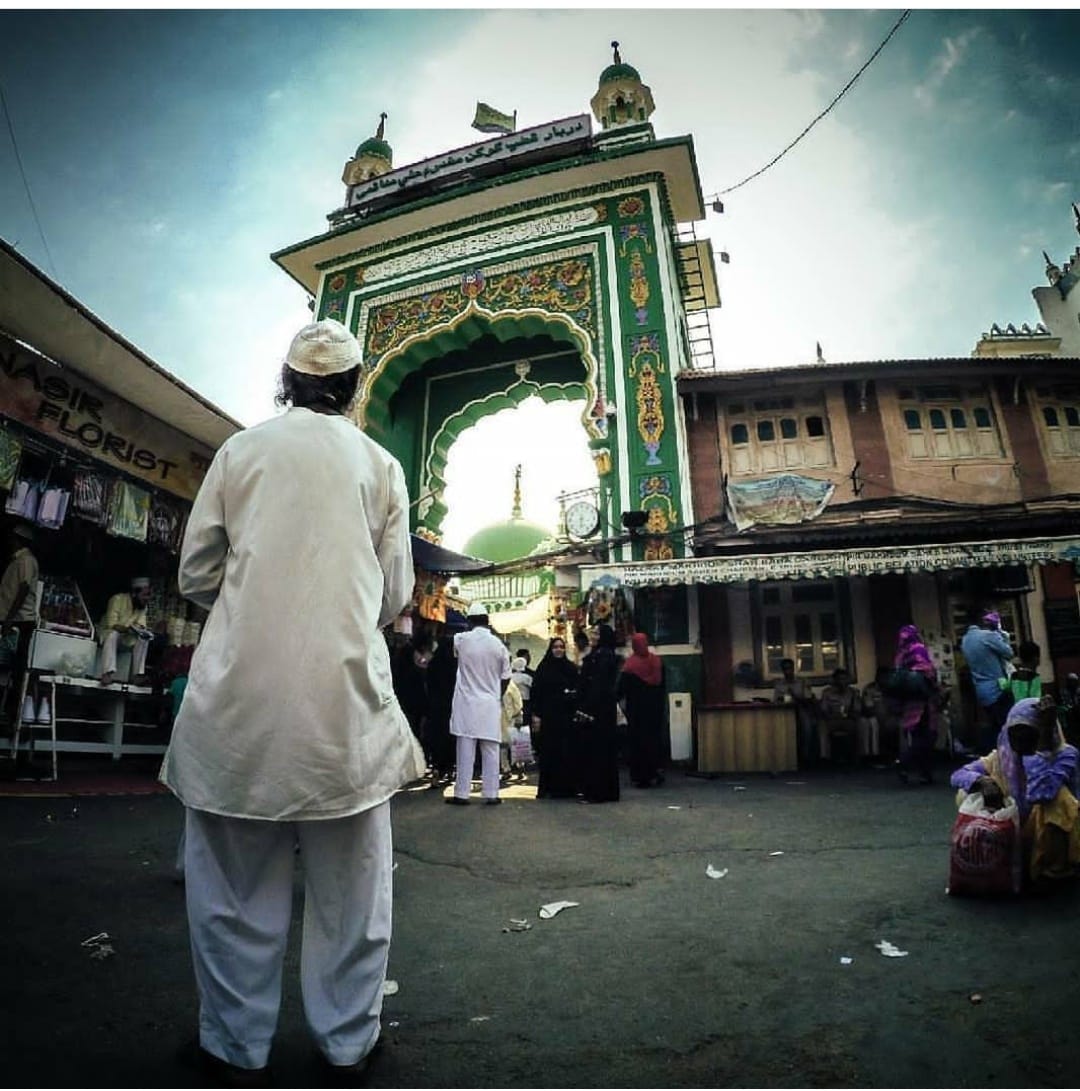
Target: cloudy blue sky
<point>170,153</point>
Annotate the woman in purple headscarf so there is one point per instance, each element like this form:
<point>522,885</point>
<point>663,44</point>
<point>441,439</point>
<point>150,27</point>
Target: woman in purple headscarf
<point>917,713</point>
<point>1034,766</point>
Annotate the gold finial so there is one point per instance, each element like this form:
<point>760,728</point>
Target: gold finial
<point>382,127</point>
<point>516,513</point>
<point>615,46</point>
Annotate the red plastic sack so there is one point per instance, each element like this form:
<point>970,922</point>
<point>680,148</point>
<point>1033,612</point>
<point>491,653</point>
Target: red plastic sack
<point>985,850</point>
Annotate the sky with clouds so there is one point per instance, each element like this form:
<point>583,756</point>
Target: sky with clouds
<point>169,153</point>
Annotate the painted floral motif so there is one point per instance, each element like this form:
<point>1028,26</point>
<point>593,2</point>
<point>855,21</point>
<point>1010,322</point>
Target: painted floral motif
<point>650,418</point>
<point>658,549</point>
<point>337,284</point>
<point>645,349</point>
<point>654,494</point>
<point>601,212</point>
<point>334,309</point>
<point>654,485</point>
<point>639,289</point>
<point>631,206</point>
<point>628,232</point>
<point>564,286</point>
<point>358,277</point>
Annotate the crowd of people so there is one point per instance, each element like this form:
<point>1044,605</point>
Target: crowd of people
<point>581,712</point>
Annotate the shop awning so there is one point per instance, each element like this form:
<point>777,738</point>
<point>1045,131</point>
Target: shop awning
<point>41,314</point>
<point>433,558</point>
<point>826,564</point>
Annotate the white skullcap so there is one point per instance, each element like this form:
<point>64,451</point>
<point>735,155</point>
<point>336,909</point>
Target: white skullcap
<point>477,609</point>
<point>323,348</point>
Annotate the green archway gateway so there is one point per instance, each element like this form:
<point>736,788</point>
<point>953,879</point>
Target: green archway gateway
<point>552,261</point>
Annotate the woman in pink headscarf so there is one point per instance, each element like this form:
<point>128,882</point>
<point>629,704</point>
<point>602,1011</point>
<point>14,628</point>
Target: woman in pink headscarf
<point>917,713</point>
<point>641,688</point>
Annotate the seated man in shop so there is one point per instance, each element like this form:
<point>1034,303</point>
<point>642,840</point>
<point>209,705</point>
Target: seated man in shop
<point>790,689</point>
<point>124,626</point>
<point>840,706</point>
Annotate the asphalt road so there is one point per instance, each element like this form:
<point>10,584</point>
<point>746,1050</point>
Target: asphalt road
<point>660,977</point>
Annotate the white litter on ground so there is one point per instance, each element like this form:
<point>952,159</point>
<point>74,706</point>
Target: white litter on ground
<point>845,960</point>
<point>739,788</point>
<point>480,1019</point>
<point>389,987</point>
<point>672,807</point>
<point>777,853</point>
<point>548,911</point>
<point>889,950</point>
<point>713,873</point>
<point>516,925</point>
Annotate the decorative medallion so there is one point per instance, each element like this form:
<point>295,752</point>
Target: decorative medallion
<point>337,284</point>
<point>631,206</point>
<point>472,284</point>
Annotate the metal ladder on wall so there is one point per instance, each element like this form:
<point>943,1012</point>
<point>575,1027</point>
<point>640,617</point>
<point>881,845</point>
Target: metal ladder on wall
<point>698,330</point>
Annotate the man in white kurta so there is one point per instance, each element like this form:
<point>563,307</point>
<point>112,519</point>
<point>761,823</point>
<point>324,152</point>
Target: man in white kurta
<point>483,672</point>
<point>289,732</point>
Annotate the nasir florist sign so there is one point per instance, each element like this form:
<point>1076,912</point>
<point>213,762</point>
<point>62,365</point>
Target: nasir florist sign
<point>61,404</point>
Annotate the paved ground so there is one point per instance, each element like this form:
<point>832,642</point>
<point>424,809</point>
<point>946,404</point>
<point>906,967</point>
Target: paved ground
<point>662,977</point>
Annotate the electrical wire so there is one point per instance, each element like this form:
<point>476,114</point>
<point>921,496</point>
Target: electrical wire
<point>26,184</point>
<point>847,87</point>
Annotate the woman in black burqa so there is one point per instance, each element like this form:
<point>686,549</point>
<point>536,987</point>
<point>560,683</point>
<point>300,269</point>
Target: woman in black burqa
<point>554,690</point>
<point>641,687</point>
<point>598,742</point>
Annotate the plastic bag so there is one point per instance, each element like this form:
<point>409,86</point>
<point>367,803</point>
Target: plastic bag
<point>985,851</point>
<point>521,752</point>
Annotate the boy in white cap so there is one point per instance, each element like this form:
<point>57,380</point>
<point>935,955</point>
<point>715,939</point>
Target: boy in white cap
<point>483,674</point>
<point>289,732</point>
<point>124,625</point>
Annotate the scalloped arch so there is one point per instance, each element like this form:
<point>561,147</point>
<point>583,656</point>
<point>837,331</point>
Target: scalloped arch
<point>474,322</point>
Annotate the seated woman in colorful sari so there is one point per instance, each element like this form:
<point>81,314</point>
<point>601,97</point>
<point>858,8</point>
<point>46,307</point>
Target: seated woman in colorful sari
<point>1033,765</point>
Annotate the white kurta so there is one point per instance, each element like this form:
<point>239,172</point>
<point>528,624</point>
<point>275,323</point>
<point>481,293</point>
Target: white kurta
<point>482,663</point>
<point>298,542</point>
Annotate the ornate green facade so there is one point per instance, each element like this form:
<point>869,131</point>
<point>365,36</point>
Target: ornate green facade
<point>570,297</point>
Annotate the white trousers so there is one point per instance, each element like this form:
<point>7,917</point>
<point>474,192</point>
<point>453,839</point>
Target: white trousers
<point>489,766</point>
<point>109,645</point>
<point>239,884</point>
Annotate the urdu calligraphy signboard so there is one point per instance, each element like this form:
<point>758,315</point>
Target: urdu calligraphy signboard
<point>532,143</point>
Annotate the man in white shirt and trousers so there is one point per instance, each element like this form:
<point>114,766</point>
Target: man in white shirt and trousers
<point>483,673</point>
<point>289,733</point>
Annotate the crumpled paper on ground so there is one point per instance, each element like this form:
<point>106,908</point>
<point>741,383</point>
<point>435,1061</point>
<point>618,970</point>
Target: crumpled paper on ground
<point>713,873</point>
<point>888,949</point>
<point>517,925</point>
<point>548,911</point>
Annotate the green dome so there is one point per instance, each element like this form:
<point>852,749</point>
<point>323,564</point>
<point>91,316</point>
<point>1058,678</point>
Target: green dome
<point>619,72</point>
<point>376,147</point>
<point>509,541</point>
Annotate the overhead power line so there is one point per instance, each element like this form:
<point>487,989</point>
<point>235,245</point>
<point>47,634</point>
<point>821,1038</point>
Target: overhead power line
<point>844,90</point>
<point>26,184</point>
